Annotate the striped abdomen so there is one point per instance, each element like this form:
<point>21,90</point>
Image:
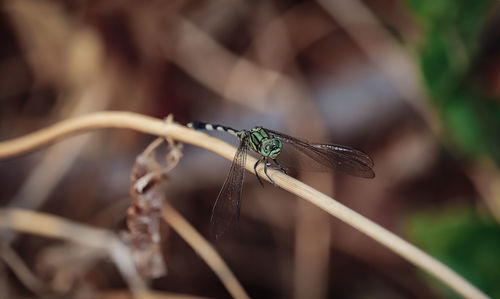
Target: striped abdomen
<point>211,127</point>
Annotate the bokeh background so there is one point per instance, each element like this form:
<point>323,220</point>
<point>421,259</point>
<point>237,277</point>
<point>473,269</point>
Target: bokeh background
<point>414,83</point>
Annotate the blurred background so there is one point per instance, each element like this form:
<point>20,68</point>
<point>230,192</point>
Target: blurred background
<point>416,84</point>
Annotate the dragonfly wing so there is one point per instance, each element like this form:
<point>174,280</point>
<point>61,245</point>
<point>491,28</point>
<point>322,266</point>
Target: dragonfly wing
<point>228,202</point>
<point>326,156</point>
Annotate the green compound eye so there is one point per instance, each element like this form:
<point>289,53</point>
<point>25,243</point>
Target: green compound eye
<point>271,148</point>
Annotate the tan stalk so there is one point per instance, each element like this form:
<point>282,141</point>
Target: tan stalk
<point>158,127</point>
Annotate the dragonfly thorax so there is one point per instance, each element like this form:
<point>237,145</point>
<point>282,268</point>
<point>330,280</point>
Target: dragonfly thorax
<point>260,141</point>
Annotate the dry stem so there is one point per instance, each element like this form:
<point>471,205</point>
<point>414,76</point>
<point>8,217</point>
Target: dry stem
<point>56,227</point>
<point>204,249</point>
<point>158,127</point>
<point>23,273</point>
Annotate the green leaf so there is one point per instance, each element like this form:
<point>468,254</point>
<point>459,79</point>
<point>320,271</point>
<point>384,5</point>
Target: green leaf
<point>449,47</point>
<point>459,238</point>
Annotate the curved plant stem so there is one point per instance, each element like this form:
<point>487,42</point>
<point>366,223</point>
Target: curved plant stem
<point>158,127</point>
<point>56,227</point>
<point>51,226</point>
<point>22,271</point>
<point>204,249</point>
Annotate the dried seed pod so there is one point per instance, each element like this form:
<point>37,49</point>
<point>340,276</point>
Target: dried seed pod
<point>143,216</point>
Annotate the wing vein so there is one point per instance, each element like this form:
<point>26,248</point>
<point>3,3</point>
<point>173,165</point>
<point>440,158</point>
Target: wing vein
<point>228,203</point>
<point>331,156</point>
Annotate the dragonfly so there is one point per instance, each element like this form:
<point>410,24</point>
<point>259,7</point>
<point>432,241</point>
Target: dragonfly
<point>270,146</point>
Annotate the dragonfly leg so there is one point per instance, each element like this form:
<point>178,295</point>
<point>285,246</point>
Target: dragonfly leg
<point>266,166</point>
<point>280,167</point>
<point>256,173</point>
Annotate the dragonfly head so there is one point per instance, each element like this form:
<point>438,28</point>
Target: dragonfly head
<point>271,148</point>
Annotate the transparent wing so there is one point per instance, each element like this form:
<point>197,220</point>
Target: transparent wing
<point>228,202</point>
<point>327,156</point>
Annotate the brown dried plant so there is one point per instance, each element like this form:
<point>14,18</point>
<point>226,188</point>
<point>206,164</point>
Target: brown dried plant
<point>21,220</point>
<point>143,215</point>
